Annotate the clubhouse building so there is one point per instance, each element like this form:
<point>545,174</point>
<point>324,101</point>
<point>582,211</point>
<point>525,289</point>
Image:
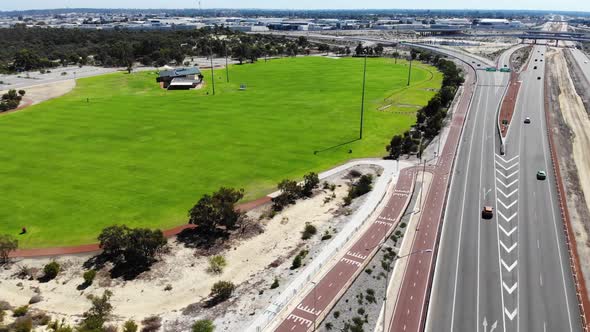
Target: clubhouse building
<point>180,78</point>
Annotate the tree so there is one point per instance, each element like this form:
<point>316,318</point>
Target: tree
<point>395,147</point>
<point>310,182</point>
<point>89,277</point>
<point>218,209</point>
<point>221,291</point>
<point>290,191</point>
<point>379,49</point>
<point>203,325</point>
<point>8,244</point>
<point>133,246</point>
<point>359,50</point>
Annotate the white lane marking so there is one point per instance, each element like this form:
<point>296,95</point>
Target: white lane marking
<point>506,168</point>
<point>509,205</point>
<point>507,185</point>
<point>509,268</point>
<point>507,218</point>
<point>507,196</point>
<point>510,315</point>
<point>508,250</point>
<point>510,289</point>
<point>507,176</point>
<point>506,232</point>
<point>507,161</point>
<point>540,280</point>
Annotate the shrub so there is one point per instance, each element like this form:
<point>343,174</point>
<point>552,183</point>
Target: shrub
<point>402,225</point>
<point>296,262</point>
<point>2,315</point>
<point>336,314</point>
<point>20,311</point>
<point>130,326</point>
<point>8,244</point>
<point>203,325</point>
<point>22,324</point>
<point>329,326</point>
<point>51,270</point>
<point>275,284</point>
<point>221,291</point>
<point>98,313</point>
<point>310,182</point>
<point>354,173</point>
<point>216,264</point>
<point>326,236</point>
<point>308,231</point>
<point>347,200</point>
<point>151,324</point>
<point>21,92</point>
<point>40,319</point>
<point>89,276</point>
<point>368,271</point>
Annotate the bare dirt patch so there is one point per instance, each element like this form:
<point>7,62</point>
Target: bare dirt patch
<point>40,93</point>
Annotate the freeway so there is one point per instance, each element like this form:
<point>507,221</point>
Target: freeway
<point>509,273</point>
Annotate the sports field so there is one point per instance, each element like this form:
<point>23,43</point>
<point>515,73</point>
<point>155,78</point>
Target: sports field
<point>140,155</point>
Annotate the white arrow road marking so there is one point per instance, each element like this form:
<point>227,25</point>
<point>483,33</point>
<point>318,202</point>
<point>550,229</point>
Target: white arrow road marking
<point>485,324</point>
<point>494,326</point>
<point>507,196</point>
<point>508,250</point>
<point>505,218</point>
<point>509,268</point>
<point>507,206</point>
<point>507,176</point>
<point>506,168</point>
<point>510,289</point>
<point>510,315</point>
<point>507,185</point>
<point>506,232</point>
<point>507,161</point>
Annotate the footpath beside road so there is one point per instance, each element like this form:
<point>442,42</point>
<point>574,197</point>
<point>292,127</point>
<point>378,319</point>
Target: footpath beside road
<point>410,308</point>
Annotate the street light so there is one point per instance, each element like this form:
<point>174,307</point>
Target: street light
<point>421,251</point>
<point>363,96</point>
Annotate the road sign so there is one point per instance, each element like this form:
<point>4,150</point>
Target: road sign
<point>491,69</point>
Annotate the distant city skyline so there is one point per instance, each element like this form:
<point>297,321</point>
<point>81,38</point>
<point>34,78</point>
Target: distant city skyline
<point>563,5</point>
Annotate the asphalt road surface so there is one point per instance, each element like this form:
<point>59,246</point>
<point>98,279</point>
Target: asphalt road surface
<point>511,272</point>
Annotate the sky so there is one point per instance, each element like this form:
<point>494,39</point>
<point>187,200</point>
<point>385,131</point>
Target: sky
<point>575,5</point>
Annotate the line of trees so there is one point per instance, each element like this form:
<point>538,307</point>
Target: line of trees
<point>38,48</point>
<point>292,191</point>
<point>429,119</point>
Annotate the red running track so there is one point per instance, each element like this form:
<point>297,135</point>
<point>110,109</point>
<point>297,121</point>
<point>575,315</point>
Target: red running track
<point>318,302</point>
<point>409,312</point>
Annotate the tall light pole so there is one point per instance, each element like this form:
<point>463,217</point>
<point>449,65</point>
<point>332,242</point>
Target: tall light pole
<point>363,97</point>
<point>421,251</point>
<point>212,74</point>
<point>410,71</point>
<point>226,66</point>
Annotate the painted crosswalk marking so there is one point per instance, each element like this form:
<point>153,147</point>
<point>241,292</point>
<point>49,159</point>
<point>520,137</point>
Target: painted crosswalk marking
<point>356,255</point>
<point>350,261</point>
<point>299,320</point>
<point>309,310</point>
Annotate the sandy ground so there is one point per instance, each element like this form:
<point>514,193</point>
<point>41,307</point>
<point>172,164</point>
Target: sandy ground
<point>577,132</point>
<point>40,93</point>
<point>250,266</point>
